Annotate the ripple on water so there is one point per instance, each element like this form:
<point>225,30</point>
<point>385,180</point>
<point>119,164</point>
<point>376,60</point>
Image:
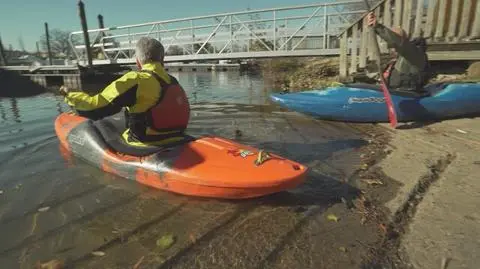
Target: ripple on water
<point>91,210</point>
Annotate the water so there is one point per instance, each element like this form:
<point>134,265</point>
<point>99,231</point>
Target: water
<point>53,209</point>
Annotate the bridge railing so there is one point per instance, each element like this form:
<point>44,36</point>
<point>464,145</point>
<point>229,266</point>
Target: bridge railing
<point>265,32</point>
<point>447,22</point>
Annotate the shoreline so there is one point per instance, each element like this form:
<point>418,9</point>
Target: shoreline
<point>302,74</point>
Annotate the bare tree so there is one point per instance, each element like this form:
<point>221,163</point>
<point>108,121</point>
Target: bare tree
<point>59,42</point>
<point>174,50</point>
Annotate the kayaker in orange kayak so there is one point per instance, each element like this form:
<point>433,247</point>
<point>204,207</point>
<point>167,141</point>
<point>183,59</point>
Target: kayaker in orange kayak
<point>156,106</point>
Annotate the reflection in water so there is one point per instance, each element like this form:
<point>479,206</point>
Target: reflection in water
<point>15,110</point>
<point>223,87</point>
<point>88,210</point>
<point>3,115</point>
<point>59,106</point>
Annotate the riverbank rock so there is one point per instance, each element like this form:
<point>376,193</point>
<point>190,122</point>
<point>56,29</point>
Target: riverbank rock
<point>474,70</point>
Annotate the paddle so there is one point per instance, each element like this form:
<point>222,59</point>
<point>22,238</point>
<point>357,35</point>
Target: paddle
<point>392,116</point>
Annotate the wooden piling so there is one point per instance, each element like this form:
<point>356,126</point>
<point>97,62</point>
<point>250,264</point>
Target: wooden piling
<point>407,16</point>
<point>429,25</point>
<point>343,55</point>
<point>387,14</point>
<point>362,63</point>
<point>100,21</point>
<point>418,19</point>
<point>3,57</point>
<point>354,53</point>
<point>454,17</point>
<point>442,18</point>
<point>464,21</point>
<point>476,22</point>
<point>47,36</point>
<point>83,21</point>
<point>101,25</point>
<point>397,18</point>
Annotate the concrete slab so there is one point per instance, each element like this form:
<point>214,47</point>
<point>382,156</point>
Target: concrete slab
<point>446,224</point>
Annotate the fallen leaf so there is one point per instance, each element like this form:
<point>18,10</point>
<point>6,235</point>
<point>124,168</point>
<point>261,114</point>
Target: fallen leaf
<point>137,265</point>
<point>18,186</point>
<point>342,249</point>
<point>383,228</point>
<point>461,131</point>
<point>192,238</point>
<point>165,241</point>
<point>98,253</point>
<point>373,181</point>
<point>364,166</point>
<point>53,264</point>
<point>332,217</point>
<point>44,209</point>
<point>98,201</point>
<point>1,191</point>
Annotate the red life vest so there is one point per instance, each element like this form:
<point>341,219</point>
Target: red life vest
<point>172,111</point>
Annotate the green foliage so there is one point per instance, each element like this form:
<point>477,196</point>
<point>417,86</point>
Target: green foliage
<point>256,45</point>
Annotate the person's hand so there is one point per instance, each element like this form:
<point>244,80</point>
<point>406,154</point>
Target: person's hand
<point>371,19</point>
<point>64,90</point>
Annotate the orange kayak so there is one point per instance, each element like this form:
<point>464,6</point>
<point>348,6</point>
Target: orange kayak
<point>206,166</point>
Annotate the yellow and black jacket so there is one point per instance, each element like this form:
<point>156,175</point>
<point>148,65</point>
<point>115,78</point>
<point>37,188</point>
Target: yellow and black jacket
<point>138,92</point>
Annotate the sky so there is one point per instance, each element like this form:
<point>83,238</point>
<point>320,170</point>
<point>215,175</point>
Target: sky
<point>26,18</point>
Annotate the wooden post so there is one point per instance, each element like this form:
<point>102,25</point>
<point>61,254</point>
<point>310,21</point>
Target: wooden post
<point>442,17</point>
<point>83,21</point>
<point>3,57</point>
<point>463,29</point>
<point>363,44</point>
<point>430,18</point>
<point>47,35</point>
<point>418,19</point>
<point>101,25</point>
<point>407,16</point>
<point>100,21</point>
<point>454,17</point>
<point>476,23</point>
<point>387,14</point>
<point>354,53</point>
<point>397,19</point>
<point>343,55</point>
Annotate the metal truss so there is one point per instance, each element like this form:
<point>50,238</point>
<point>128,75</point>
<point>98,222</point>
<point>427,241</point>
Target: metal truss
<point>305,30</point>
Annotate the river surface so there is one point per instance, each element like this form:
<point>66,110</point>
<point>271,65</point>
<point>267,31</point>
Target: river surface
<point>54,209</point>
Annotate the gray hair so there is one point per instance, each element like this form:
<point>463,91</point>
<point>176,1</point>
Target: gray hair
<point>149,50</point>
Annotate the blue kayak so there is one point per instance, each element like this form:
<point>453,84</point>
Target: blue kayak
<point>366,103</point>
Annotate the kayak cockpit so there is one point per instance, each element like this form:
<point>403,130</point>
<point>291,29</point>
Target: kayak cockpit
<point>111,130</point>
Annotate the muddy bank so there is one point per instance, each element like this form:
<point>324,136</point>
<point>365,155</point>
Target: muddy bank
<point>297,74</point>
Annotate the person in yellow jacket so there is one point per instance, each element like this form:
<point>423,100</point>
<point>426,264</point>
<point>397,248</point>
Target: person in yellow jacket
<point>156,106</point>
